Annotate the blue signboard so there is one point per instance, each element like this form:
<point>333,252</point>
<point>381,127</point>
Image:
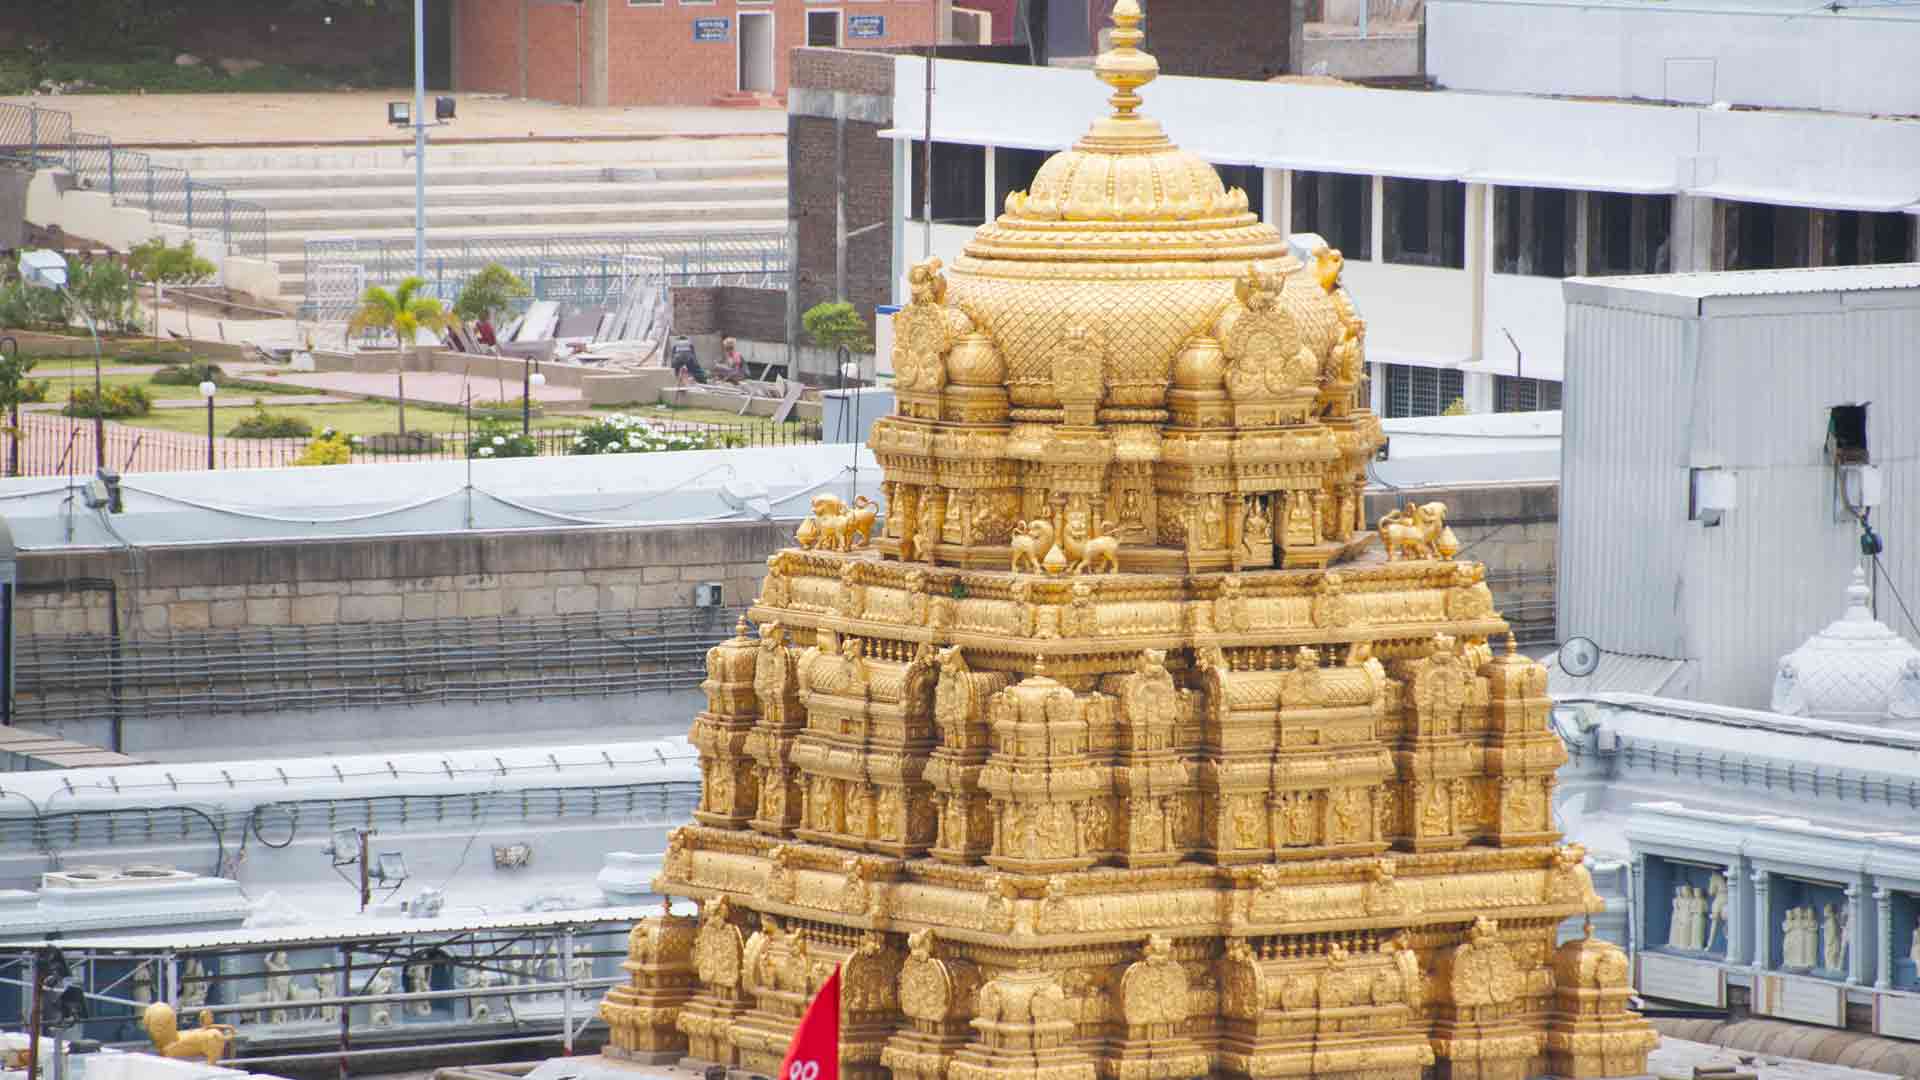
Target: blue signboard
<point>867,26</point>
<point>711,29</point>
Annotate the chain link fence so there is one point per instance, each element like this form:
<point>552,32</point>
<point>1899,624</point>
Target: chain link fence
<point>40,138</point>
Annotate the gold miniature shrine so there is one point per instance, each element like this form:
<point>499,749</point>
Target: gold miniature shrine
<point>1103,747</point>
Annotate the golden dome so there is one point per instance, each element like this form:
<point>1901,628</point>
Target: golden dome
<point>1131,244</point>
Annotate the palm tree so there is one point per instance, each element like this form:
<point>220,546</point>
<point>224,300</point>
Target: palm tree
<point>402,312</point>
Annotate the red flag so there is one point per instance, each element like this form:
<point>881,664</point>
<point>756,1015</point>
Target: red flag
<point>815,1053</point>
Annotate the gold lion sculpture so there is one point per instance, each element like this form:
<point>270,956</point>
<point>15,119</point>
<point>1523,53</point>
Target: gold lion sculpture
<point>831,526</point>
<point>1415,532</point>
<point>1098,554</point>
<point>208,1041</point>
<point>1031,542</point>
<point>865,513</point>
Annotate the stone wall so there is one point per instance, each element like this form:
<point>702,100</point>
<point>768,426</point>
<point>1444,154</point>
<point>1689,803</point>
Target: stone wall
<point>389,579</point>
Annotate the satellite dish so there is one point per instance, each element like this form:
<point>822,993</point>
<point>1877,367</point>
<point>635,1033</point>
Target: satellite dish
<point>1579,657</point>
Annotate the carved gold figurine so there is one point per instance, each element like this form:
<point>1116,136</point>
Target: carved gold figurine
<point>1242,796</point>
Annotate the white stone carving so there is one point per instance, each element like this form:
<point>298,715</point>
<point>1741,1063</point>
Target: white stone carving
<point>1857,669</point>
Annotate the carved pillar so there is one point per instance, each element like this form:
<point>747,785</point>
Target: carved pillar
<point>1856,957</point>
<point>1762,928</point>
<point>1883,938</point>
<point>1637,899</point>
<point>1736,949</point>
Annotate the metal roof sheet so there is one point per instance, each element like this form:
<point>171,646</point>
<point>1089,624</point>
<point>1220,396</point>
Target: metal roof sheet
<point>1818,279</point>
<point>1617,673</point>
<point>319,932</point>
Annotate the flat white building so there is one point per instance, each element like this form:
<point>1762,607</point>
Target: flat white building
<point>1458,213</point>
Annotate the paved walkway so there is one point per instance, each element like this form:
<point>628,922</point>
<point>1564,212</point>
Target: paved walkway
<point>361,116</point>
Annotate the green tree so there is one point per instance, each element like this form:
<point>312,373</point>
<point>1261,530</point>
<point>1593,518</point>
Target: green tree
<point>15,387</point>
<point>103,291</point>
<point>486,295</point>
<point>489,293</point>
<point>834,323</point>
<point>165,264</point>
<point>402,312</point>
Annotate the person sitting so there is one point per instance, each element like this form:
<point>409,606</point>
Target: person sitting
<point>732,367</point>
<point>685,364</point>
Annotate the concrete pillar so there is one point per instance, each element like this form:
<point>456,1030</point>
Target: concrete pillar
<point>598,54</point>
<point>1762,927</point>
<point>520,48</point>
<point>1883,940</point>
<point>1692,236</point>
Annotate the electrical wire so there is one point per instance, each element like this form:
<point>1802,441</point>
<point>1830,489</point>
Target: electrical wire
<point>1895,590</point>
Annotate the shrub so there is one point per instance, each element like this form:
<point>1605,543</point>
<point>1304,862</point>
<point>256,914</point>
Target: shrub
<point>189,374</point>
<point>117,403</point>
<point>831,324</point>
<point>329,448</point>
<point>32,390</point>
<point>624,434</point>
<point>499,440</point>
<point>27,307</point>
<point>262,424</point>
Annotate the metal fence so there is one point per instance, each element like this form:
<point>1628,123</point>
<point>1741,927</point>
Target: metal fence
<point>573,269</point>
<point>52,445</point>
<point>42,138</point>
<point>101,678</point>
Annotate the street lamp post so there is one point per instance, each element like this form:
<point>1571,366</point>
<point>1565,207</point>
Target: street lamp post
<point>206,391</point>
<point>48,270</point>
<point>530,380</point>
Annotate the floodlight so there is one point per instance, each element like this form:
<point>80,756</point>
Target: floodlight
<point>391,868</point>
<point>46,269</point>
<point>345,846</point>
<point>399,113</point>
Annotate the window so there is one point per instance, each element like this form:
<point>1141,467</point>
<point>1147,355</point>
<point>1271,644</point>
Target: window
<point>1852,238</point>
<point>1756,236</point>
<point>1629,234</point>
<point>1511,393</point>
<point>1251,179</point>
<point>823,29</point>
<point>1014,170</point>
<point>1534,231</point>
<point>1339,207</point>
<point>959,183</point>
<point>1426,222</point>
<point>1421,391</point>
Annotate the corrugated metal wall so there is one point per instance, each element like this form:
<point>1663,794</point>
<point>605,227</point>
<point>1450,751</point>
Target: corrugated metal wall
<point>1623,478</point>
<point>1747,387</point>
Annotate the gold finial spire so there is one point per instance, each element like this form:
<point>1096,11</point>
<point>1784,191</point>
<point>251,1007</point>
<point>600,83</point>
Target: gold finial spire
<point>1124,67</point>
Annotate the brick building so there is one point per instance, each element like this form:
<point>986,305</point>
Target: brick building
<point>664,52</point>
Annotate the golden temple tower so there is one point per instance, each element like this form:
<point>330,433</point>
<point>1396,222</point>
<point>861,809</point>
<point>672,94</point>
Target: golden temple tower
<point>1109,749</point>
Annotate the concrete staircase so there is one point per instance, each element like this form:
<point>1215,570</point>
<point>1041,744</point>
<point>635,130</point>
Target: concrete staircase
<point>477,195</point>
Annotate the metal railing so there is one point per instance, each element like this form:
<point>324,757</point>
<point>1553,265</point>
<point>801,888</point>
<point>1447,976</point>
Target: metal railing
<point>98,677</point>
<point>561,268</point>
<point>42,138</point>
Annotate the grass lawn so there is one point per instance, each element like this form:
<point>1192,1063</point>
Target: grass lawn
<point>363,418</point>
